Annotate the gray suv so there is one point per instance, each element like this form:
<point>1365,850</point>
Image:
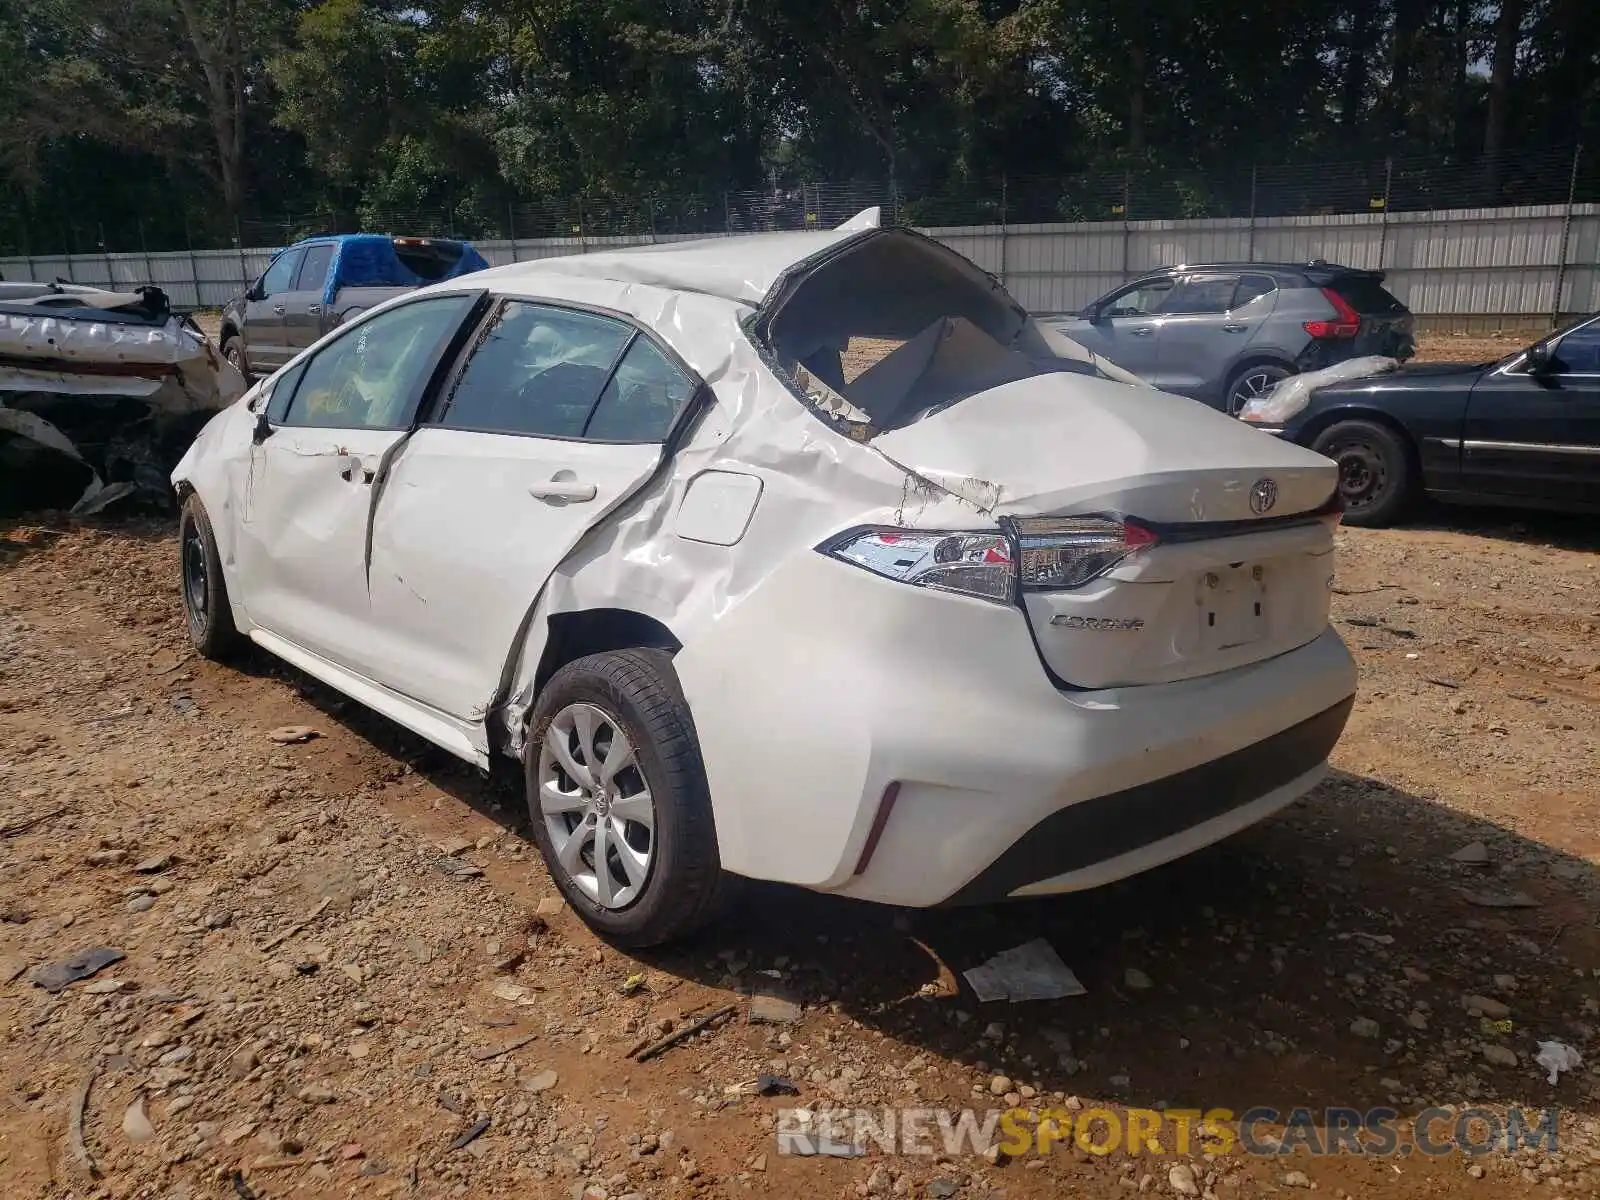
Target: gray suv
<point>1227,332</point>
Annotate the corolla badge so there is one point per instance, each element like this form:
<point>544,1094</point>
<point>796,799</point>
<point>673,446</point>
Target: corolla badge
<point>1263,495</point>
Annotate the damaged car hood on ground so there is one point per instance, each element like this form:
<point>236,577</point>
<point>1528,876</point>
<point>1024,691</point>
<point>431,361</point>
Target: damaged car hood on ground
<point>100,394</point>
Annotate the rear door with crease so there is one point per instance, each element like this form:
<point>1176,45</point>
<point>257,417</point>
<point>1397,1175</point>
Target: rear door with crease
<point>554,419</point>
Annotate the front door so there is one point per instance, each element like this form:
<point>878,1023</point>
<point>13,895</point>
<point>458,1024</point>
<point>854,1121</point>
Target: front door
<point>558,416</point>
<point>306,305</point>
<point>264,340</point>
<point>1125,326</point>
<point>1537,437</point>
<point>303,531</point>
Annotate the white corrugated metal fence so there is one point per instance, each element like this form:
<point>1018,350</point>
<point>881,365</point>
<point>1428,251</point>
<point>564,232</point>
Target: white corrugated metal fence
<point>1462,267</point>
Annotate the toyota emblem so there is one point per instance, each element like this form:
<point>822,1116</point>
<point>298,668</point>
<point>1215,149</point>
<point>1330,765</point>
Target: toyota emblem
<point>1263,496</point>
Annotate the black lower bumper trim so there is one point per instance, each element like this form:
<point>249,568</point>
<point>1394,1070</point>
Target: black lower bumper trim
<point>1093,831</point>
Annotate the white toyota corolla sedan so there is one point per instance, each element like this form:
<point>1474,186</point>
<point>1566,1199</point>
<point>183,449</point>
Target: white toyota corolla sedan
<point>987,618</point>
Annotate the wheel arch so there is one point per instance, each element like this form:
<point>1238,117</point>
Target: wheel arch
<point>1324,421</point>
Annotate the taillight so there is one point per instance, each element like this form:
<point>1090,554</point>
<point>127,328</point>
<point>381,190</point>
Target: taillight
<point>1067,552</point>
<point>1346,325</point>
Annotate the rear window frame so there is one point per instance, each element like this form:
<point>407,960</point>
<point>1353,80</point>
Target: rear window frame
<point>1394,307</point>
<point>430,414</point>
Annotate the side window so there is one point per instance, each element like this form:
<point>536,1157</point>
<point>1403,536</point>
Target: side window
<point>1253,287</point>
<point>1140,300</point>
<point>1578,353</point>
<point>314,270</point>
<point>282,385</point>
<point>371,376</point>
<point>643,398</point>
<point>536,371</point>
<point>280,275</point>
<point>1202,294</point>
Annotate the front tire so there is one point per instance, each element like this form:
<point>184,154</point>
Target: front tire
<point>618,799</point>
<point>233,351</point>
<point>1376,475</point>
<point>205,592</point>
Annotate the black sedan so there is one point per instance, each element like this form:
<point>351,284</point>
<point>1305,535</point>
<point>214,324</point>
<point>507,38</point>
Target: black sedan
<point>1521,431</point>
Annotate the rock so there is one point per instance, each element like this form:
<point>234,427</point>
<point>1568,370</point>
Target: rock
<point>549,906</point>
<point>143,902</point>
<point>135,1125</point>
<point>454,846</point>
<point>107,858</point>
<point>218,918</point>
<point>352,1150</point>
<point>243,1062</point>
<point>879,1183</point>
<point>542,1082</point>
<point>1182,1181</point>
<point>1296,1179</point>
<point>758,1163</point>
<point>1137,979</point>
<point>941,1188</point>
<point>103,987</point>
<point>316,1093</point>
<point>999,1085</point>
<point>1473,853</point>
<point>1364,1027</point>
<point>1501,899</point>
<point>1495,1010</point>
<point>1415,976</point>
<point>458,868</point>
<point>1500,1056</point>
<point>1475,1170</point>
<point>154,864</point>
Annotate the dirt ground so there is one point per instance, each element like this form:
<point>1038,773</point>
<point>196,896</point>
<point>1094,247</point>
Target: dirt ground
<point>342,957</point>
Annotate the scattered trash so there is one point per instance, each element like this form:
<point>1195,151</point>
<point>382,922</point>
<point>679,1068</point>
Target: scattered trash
<point>770,1008</point>
<point>293,735</point>
<point>1501,899</point>
<point>775,1085</point>
<point>688,1031</point>
<point>472,1132</point>
<point>1556,1057</point>
<point>1031,971</point>
<point>56,976</point>
<point>633,983</point>
<point>241,1188</point>
<point>1473,854</point>
<point>28,823</point>
<point>183,704</point>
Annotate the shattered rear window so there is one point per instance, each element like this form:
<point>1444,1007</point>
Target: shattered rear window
<point>430,260</point>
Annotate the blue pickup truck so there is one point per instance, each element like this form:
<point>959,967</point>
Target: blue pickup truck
<point>312,286</point>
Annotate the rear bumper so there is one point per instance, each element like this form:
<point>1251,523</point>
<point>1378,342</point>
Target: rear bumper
<point>1113,836</point>
<point>829,688</point>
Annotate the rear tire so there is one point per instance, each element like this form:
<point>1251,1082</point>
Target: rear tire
<point>1249,382</point>
<point>618,799</point>
<point>205,592</point>
<point>1376,476</point>
<point>233,351</point>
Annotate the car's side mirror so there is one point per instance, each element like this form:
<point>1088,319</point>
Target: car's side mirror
<point>1537,359</point>
<point>263,429</point>
<point>1096,313</point>
<point>255,292</point>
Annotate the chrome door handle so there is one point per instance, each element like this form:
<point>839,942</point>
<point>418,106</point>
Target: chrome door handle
<point>1234,328</point>
<point>1141,331</point>
<point>563,489</point>
<point>314,309</point>
<point>278,308</point>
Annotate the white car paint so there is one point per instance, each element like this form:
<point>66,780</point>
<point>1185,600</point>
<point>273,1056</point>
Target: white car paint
<point>814,684</point>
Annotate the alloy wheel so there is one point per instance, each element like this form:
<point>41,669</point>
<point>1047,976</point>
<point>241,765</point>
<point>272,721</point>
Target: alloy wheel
<point>1251,386</point>
<point>596,805</point>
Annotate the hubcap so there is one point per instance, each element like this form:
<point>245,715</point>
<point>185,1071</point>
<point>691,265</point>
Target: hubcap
<point>1362,474</point>
<point>194,573</point>
<point>596,805</point>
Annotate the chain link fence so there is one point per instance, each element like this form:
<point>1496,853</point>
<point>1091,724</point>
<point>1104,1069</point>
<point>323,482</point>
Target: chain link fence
<point>1561,175</point>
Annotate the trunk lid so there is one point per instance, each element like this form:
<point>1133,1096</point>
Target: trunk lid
<point>1228,581</point>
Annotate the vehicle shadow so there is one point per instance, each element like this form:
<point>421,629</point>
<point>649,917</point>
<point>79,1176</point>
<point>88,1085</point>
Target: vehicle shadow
<point>1562,531</point>
<point>1257,963</point>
